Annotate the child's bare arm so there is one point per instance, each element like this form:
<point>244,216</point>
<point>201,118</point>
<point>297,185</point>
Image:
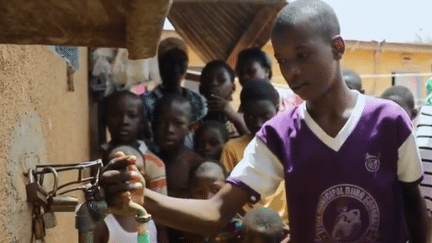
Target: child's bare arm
<point>206,217</point>
<point>238,121</point>
<point>418,220</point>
<point>217,103</point>
<point>100,233</point>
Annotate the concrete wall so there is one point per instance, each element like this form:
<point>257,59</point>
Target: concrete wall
<point>41,122</point>
<point>376,62</point>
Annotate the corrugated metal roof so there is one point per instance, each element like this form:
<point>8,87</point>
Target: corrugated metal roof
<point>215,28</point>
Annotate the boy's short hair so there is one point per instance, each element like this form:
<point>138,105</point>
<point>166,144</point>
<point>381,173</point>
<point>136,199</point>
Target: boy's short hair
<point>169,99</point>
<point>115,96</point>
<point>259,89</point>
<point>352,77</point>
<point>209,165</point>
<point>214,65</point>
<point>205,167</point>
<point>254,55</point>
<point>319,13</point>
<point>402,92</point>
<point>212,124</point>
<point>264,220</point>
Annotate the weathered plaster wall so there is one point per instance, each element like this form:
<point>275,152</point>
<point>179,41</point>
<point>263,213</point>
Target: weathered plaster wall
<point>40,122</point>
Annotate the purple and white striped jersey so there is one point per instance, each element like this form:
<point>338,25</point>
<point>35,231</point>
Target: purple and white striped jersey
<point>341,189</point>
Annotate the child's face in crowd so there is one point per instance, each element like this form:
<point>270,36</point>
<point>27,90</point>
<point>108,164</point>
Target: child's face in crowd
<point>125,120</point>
<point>210,143</point>
<point>257,113</point>
<point>206,184</point>
<point>219,84</point>
<point>251,70</point>
<point>172,126</point>
<point>308,62</point>
<point>172,67</point>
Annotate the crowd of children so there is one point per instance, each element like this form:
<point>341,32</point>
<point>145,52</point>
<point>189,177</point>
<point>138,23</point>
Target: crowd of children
<point>343,164</point>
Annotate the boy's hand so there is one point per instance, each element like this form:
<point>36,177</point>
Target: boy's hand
<point>217,103</point>
<point>121,181</point>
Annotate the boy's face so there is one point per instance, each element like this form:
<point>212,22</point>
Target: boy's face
<point>210,143</point>
<point>251,70</point>
<point>257,113</point>
<point>125,120</point>
<point>172,68</point>
<point>172,126</point>
<point>219,84</point>
<point>308,62</point>
<point>206,185</point>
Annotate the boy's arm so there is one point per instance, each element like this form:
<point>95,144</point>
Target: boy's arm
<point>260,172</point>
<point>196,216</point>
<point>206,217</point>
<point>238,121</point>
<point>217,103</point>
<point>100,233</point>
<point>419,223</point>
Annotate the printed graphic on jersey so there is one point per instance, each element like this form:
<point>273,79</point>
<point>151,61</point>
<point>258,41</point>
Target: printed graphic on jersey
<point>372,163</point>
<point>346,213</point>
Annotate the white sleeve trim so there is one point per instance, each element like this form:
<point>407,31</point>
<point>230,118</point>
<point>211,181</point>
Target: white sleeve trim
<point>259,169</point>
<point>409,163</point>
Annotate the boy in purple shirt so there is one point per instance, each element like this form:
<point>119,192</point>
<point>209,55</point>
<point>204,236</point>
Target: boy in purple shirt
<point>350,162</point>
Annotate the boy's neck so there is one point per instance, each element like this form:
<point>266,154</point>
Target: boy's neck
<point>169,155</point>
<point>176,89</point>
<point>134,143</point>
<point>334,102</point>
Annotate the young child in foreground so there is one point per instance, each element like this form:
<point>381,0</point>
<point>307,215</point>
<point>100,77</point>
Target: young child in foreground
<point>262,225</point>
<point>172,121</point>
<point>350,162</point>
<point>206,181</point>
<point>217,86</point>
<point>172,124</point>
<point>120,228</point>
<point>125,120</point>
<point>209,139</point>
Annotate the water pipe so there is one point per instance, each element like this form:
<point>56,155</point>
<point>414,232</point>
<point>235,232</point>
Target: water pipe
<point>89,213</point>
